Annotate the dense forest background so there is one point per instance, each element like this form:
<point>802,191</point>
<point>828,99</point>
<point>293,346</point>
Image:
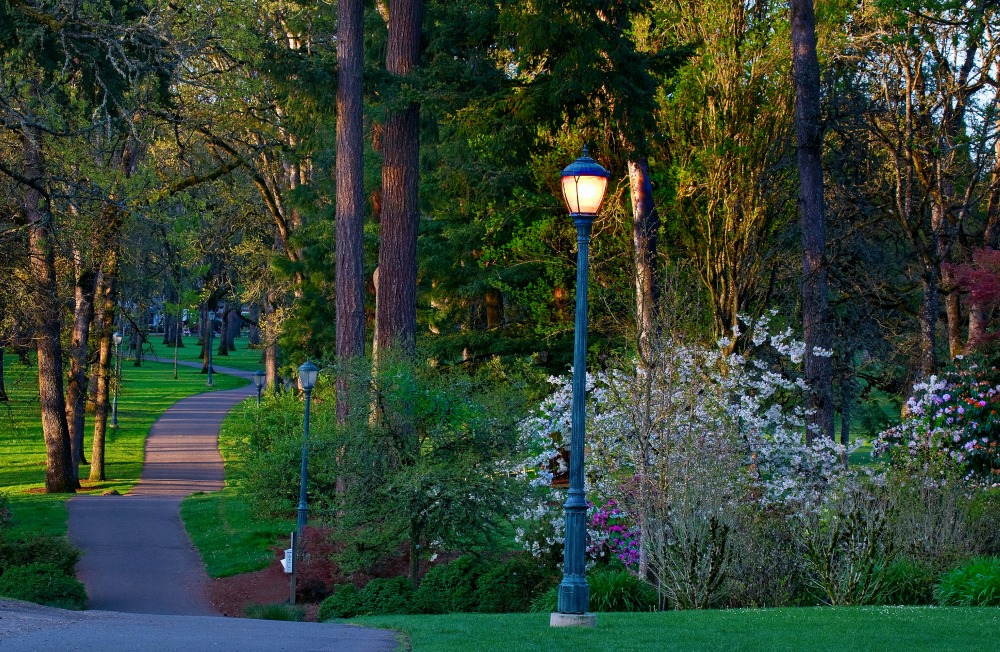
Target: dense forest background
<point>343,177</point>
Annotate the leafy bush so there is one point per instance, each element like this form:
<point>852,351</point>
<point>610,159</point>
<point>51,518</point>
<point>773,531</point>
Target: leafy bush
<point>767,568</point>
<point>39,549</point>
<point>909,582</point>
<point>610,590</point>
<point>846,550</point>
<point>275,612</point>
<point>975,584</point>
<point>344,602</point>
<point>510,585</point>
<point>381,596</point>
<point>451,587</point>
<point>44,584</point>
<point>983,514</point>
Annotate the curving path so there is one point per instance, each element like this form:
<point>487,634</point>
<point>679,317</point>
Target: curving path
<point>137,556</point>
<point>139,559</point>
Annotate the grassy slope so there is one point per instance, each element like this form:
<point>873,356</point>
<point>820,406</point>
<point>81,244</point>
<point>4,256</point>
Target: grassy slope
<point>243,357</point>
<point>913,629</point>
<point>146,393</point>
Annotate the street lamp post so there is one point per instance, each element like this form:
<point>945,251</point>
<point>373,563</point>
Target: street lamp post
<point>584,183</point>
<point>211,331</point>
<point>258,382</point>
<point>307,380</point>
<point>117,339</point>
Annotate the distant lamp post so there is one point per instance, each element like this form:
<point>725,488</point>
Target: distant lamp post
<point>258,381</point>
<point>117,339</point>
<point>307,380</point>
<point>211,331</point>
<point>584,183</point>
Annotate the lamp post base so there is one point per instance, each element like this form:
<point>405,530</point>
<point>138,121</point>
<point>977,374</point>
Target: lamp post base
<point>572,620</point>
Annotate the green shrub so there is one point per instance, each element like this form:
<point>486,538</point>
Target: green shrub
<point>382,596</point>
<point>275,612</point>
<point>610,590</point>
<point>451,587</point>
<point>974,584</point>
<point>44,584</point>
<point>983,514</point>
<point>909,582</point>
<point>344,602</point>
<point>620,590</point>
<point>39,549</point>
<point>509,586</point>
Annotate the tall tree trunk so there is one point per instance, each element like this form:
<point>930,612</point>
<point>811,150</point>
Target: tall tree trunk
<point>76,388</point>
<point>3,387</point>
<point>254,339</point>
<point>105,298</point>
<point>270,345</point>
<point>225,317</point>
<point>929,309</point>
<point>234,325</point>
<point>815,300</point>
<point>645,228</point>
<point>396,288</point>
<point>48,321</point>
<point>350,214</point>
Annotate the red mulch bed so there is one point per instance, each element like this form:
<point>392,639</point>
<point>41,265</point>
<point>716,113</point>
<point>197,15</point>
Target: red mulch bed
<point>231,595</point>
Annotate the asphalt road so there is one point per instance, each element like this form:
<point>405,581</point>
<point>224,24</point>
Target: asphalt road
<point>27,627</point>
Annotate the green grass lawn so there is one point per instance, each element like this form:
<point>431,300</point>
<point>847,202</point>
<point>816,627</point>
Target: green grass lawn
<point>146,392</point>
<point>243,357</point>
<point>888,629</point>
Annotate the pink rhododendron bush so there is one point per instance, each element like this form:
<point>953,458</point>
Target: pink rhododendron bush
<point>702,481</point>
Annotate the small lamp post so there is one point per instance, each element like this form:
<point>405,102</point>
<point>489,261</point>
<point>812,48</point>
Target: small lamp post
<point>307,380</point>
<point>584,183</point>
<point>258,382</point>
<point>117,339</point>
<point>211,332</point>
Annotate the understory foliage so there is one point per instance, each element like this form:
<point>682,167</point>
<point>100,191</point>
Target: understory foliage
<point>679,444</point>
<point>38,568</point>
<point>423,460</point>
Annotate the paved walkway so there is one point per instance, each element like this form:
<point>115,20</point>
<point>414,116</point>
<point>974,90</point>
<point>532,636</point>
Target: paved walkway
<point>139,559</point>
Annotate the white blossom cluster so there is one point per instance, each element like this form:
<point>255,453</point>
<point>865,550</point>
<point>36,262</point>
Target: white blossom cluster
<point>692,402</point>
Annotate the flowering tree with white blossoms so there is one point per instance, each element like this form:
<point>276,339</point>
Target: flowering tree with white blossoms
<point>682,440</point>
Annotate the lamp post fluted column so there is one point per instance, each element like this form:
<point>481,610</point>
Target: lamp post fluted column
<point>574,593</point>
<point>583,183</point>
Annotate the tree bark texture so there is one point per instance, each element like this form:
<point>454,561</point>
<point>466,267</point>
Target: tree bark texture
<point>105,299</point>
<point>45,296</point>
<point>645,227</point>
<point>395,296</point>
<point>350,213</point>
<point>76,388</point>
<point>815,300</point>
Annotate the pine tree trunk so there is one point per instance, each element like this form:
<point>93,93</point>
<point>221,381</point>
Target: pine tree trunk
<point>48,322</point>
<point>815,300</point>
<point>395,295</point>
